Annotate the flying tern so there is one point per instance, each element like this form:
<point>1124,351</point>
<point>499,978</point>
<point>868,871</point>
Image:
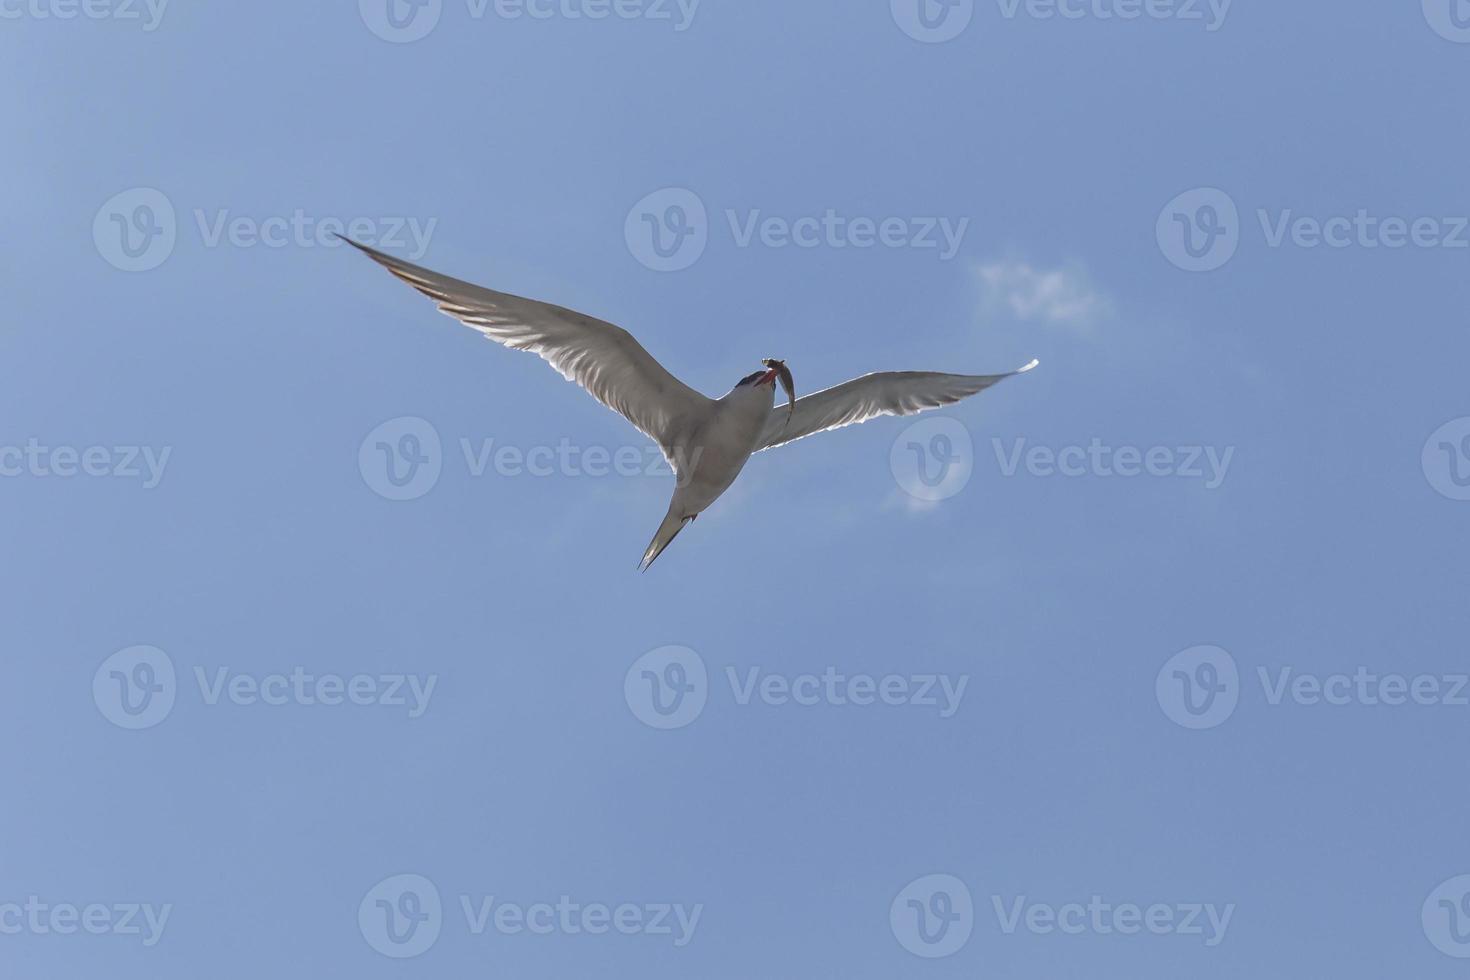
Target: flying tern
<point>707,441</point>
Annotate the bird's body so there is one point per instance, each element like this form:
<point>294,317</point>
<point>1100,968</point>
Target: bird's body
<point>720,444</point>
<point>719,441</point>
<point>707,441</point>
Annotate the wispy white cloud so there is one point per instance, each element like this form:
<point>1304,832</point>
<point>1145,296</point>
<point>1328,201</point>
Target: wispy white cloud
<point>1063,297</point>
<point>909,504</point>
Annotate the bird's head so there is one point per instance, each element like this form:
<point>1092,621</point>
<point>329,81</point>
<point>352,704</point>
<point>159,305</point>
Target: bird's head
<point>775,371</point>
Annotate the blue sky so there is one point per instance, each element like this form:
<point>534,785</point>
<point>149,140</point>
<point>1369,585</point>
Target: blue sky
<point>1145,664</point>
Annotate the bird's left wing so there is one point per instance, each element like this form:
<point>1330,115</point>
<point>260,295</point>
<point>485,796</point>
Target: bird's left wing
<point>872,395</point>
<point>601,357</point>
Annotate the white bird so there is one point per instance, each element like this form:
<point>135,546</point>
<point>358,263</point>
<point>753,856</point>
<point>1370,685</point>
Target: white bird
<point>707,441</point>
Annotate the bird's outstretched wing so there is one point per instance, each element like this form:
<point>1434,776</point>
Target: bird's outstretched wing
<point>872,395</point>
<point>601,357</point>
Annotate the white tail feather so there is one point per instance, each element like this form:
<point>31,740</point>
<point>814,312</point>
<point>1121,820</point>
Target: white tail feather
<point>673,523</point>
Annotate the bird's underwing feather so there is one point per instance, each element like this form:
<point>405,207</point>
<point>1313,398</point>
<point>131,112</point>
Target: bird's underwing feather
<point>599,356</point>
<point>872,395</point>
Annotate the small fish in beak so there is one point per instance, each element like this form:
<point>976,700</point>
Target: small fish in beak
<point>787,382</point>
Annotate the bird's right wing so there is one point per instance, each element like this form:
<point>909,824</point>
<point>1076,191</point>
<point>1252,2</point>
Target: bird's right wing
<point>601,357</point>
<point>872,395</point>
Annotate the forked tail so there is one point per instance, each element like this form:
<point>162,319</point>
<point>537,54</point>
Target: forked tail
<point>674,522</point>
